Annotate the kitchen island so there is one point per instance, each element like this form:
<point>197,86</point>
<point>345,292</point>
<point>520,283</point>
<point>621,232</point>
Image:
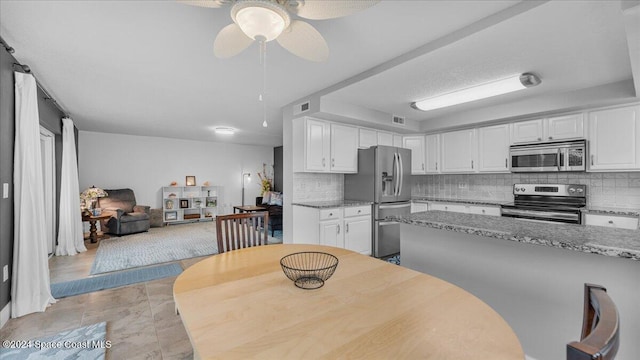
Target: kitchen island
<point>531,273</point>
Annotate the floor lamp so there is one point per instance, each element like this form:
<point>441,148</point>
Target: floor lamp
<point>248,175</point>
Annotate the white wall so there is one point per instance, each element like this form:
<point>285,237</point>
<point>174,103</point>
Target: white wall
<point>145,164</point>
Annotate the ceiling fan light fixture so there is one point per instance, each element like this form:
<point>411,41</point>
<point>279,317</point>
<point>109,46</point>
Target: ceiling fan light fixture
<point>260,19</point>
<point>482,91</point>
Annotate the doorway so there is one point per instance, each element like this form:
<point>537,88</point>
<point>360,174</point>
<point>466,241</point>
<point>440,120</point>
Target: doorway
<point>48,155</point>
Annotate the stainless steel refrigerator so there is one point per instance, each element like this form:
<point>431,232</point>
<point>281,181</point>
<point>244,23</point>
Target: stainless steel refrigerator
<point>384,178</point>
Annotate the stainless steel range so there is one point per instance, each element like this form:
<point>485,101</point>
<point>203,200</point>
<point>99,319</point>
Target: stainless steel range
<point>547,202</point>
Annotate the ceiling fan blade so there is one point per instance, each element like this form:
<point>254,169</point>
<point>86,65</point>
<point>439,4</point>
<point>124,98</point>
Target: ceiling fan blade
<point>323,9</point>
<point>303,40</point>
<point>205,3</point>
<point>230,41</point>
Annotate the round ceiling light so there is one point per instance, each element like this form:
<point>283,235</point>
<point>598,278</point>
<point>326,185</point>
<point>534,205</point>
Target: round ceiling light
<point>260,19</point>
<point>225,130</point>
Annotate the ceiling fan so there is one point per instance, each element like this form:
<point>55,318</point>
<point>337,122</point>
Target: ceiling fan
<point>266,20</point>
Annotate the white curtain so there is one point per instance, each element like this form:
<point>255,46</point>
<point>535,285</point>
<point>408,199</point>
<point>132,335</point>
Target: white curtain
<point>70,233</point>
<point>30,291</point>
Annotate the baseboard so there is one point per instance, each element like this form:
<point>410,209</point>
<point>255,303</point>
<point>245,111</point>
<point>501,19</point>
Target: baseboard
<point>5,314</point>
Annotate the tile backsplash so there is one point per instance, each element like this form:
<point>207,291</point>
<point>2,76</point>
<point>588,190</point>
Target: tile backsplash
<point>317,187</point>
<point>617,190</point>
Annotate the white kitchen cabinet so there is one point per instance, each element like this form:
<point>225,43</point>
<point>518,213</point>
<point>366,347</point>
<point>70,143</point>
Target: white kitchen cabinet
<point>419,207</point>
<point>322,146</point>
<point>385,138</point>
<point>367,138</point>
<point>459,151</point>
<point>614,139</point>
<point>397,140</point>
<point>565,127</point>
<point>344,149</point>
<point>562,127</point>
<point>348,227</point>
<point>610,220</point>
<point>493,148</point>
<point>416,145</point>
<point>432,153</point>
<point>527,131</point>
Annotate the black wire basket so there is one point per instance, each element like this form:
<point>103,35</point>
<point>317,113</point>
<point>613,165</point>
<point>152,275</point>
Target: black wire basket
<point>309,269</point>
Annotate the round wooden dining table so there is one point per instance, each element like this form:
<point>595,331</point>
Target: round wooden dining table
<point>240,305</point>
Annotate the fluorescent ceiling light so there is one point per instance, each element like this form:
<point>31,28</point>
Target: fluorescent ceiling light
<point>483,91</point>
<point>225,130</point>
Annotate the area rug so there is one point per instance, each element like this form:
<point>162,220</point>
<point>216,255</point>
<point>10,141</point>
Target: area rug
<point>109,281</point>
<point>87,342</point>
<point>158,245</point>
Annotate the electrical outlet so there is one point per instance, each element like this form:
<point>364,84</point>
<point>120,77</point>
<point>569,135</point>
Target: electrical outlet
<point>5,273</point>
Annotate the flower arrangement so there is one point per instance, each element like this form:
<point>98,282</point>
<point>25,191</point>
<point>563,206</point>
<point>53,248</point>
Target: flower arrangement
<point>266,181</point>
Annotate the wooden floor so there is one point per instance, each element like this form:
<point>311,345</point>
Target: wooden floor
<point>141,319</point>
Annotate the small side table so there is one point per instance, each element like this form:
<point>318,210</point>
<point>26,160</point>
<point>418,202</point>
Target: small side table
<point>248,208</point>
<point>93,230</point>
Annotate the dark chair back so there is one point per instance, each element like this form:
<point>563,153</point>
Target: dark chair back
<point>600,337</point>
<point>237,231</point>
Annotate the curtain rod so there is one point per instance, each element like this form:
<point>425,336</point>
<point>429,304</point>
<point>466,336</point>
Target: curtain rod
<point>27,70</point>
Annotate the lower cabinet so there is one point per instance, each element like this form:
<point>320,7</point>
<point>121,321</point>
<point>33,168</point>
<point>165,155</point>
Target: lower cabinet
<point>344,227</point>
<point>492,210</point>
<point>614,221</point>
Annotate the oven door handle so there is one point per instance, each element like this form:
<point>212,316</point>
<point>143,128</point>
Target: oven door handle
<point>558,157</point>
<point>547,214</point>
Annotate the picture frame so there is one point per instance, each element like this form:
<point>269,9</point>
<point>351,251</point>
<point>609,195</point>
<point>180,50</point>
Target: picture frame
<point>171,215</point>
<point>190,181</point>
<point>184,203</point>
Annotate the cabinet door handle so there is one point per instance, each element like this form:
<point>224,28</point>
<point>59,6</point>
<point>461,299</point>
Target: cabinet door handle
<point>338,230</point>
<point>333,162</point>
<point>422,166</point>
<point>346,228</point>
<point>610,221</point>
<point>591,159</point>
<point>539,139</point>
<point>330,214</point>
<point>323,163</point>
<point>436,165</point>
<point>506,162</point>
<point>472,164</point>
<point>550,137</point>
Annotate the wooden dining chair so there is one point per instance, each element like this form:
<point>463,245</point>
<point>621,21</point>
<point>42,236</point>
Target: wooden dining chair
<point>238,231</point>
<point>600,337</point>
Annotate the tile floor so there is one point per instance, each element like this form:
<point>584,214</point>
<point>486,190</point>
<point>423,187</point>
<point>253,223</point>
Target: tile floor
<point>141,319</point>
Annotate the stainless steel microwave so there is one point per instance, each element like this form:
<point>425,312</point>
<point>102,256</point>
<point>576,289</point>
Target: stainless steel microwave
<point>549,157</point>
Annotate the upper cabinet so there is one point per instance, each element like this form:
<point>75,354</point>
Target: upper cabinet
<point>397,140</point>
<point>493,148</point>
<point>614,139</point>
<point>459,151</point>
<point>416,145</point>
<point>549,129</point>
<point>322,146</point>
<point>385,138</point>
<point>367,138</point>
<point>432,156</point>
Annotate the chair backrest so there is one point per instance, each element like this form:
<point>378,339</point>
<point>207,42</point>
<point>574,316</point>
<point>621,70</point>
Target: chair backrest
<point>600,337</point>
<point>237,231</point>
<point>123,199</point>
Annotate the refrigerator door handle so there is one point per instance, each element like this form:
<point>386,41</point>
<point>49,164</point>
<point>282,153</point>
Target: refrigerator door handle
<point>395,174</point>
<point>384,223</point>
<point>401,172</point>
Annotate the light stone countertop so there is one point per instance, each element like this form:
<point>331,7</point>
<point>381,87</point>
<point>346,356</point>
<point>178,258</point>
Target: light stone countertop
<point>332,204</point>
<point>591,239</point>
<point>459,201</point>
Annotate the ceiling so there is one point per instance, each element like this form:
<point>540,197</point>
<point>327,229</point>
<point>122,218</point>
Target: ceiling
<point>147,67</point>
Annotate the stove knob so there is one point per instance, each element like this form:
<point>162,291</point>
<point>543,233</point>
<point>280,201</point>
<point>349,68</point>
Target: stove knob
<point>579,190</point>
<point>517,189</point>
<point>572,190</point>
<point>522,189</point>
